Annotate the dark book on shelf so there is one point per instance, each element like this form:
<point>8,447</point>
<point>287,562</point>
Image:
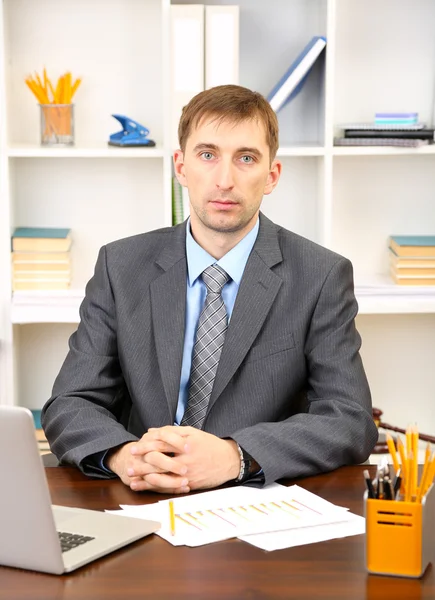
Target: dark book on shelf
<point>379,141</point>
<point>418,134</point>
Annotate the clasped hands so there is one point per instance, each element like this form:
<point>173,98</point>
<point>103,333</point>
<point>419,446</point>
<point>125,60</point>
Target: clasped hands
<point>175,460</point>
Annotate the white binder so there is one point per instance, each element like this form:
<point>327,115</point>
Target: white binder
<point>187,59</point>
<point>221,45</point>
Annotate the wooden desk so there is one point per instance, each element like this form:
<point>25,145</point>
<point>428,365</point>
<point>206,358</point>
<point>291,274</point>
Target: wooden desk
<point>152,568</point>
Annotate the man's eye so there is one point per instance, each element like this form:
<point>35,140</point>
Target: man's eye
<point>207,155</point>
<point>247,159</point>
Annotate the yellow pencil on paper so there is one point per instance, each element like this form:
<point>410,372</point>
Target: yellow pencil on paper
<point>171,517</point>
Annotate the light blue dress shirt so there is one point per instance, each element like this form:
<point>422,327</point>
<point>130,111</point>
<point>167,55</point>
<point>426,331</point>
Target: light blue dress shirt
<point>233,262</point>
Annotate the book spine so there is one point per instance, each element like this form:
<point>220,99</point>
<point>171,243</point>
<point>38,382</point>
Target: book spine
<point>413,251</point>
<point>177,202</point>
<point>413,272</point>
<point>399,115</point>
<point>296,74</point>
<point>422,134</point>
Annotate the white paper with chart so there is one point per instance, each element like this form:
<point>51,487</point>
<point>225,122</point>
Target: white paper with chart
<point>238,511</point>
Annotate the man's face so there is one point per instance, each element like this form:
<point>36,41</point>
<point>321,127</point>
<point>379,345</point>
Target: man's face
<point>226,168</point>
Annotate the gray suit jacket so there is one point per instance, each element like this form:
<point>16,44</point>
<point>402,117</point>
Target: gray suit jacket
<point>290,386</point>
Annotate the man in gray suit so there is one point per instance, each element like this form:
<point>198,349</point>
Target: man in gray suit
<point>222,349</point>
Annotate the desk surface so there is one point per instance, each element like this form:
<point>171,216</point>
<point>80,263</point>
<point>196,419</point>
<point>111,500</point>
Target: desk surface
<point>152,568</point>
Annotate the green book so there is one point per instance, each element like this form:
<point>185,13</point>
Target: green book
<point>177,202</point>
<point>36,413</point>
<point>413,245</point>
<point>414,240</point>
<point>41,232</point>
<point>41,239</point>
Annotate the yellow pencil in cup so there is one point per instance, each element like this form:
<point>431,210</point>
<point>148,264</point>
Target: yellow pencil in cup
<point>401,449</point>
<point>408,440</point>
<point>425,475</point>
<point>430,475</point>
<point>171,517</point>
<point>408,483</point>
<point>426,462</point>
<point>415,462</point>
<point>392,449</point>
<point>57,109</point>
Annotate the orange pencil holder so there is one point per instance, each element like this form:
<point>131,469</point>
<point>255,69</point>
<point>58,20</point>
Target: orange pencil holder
<point>400,536</point>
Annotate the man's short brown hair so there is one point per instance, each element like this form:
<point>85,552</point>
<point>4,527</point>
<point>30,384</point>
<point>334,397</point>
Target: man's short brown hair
<point>230,103</point>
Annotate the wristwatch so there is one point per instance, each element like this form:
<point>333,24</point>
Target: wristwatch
<point>250,470</point>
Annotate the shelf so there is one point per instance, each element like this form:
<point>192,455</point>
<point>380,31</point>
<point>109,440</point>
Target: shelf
<point>301,150</point>
<point>98,150</point>
<point>46,306</point>
<point>381,296</point>
<point>377,297</point>
<point>381,150</point>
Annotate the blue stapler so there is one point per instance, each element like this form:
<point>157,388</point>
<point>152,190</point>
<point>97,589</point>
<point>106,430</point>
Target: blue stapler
<point>132,134</point>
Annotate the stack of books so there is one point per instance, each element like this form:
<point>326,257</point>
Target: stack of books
<point>41,259</point>
<point>43,445</point>
<point>388,129</point>
<point>412,259</point>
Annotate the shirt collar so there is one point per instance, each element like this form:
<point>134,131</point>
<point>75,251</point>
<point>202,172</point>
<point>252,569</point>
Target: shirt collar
<point>233,262</point>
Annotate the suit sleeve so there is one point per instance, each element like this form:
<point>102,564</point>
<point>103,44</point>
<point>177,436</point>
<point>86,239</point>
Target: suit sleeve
<point>337,428</point>
<point>83,415</point>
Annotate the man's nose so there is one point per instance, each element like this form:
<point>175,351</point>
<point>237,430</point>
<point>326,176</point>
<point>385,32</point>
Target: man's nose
<point>225,175</point>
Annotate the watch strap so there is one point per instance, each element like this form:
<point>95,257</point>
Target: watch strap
<point>249,468</point>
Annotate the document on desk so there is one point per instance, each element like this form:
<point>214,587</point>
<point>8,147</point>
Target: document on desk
<point>278,540</point>
<point>240,511</point>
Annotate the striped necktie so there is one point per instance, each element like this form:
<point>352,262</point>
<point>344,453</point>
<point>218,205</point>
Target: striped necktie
<point>210,335</point>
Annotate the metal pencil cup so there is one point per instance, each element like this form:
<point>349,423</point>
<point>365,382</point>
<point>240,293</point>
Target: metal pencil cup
<point>57,124</point>
<point>400,536</point>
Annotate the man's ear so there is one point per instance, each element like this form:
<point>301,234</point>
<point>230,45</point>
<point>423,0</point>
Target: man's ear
<point>179,167</point>
<point>273,177</point>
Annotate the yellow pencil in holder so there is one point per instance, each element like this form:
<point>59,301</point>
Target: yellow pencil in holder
<point>400,536</point>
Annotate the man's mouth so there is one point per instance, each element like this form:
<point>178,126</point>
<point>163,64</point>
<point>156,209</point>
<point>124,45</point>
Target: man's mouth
<point>223,204</point>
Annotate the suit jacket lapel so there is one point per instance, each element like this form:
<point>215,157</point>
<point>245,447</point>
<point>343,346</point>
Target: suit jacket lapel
<point>257,292</point>
<point>168,302</point>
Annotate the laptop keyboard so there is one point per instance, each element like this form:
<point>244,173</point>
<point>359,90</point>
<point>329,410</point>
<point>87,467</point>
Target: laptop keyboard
<point>68,541</point>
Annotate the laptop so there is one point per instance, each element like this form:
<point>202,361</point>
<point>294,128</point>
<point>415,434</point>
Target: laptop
<point>37,535</point>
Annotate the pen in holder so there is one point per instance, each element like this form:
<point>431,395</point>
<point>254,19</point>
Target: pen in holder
<point>57,124</point>
<point>400,536</point>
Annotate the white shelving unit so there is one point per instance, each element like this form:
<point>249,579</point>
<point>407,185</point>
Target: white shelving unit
<point>101,150</point>
<point>347,198</point>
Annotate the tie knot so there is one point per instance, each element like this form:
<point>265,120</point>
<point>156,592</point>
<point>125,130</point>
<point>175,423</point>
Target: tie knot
<point>214,278</point>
